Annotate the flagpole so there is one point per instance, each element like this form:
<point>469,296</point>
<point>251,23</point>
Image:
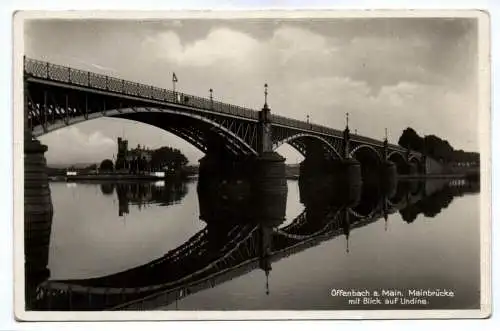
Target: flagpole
<point>174,80</point>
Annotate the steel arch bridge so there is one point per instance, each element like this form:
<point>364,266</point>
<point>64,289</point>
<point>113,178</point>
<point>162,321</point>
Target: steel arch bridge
<point>58,96</point>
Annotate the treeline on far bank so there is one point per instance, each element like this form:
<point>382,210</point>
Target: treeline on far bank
<point>164,159</point>
<point>438,149</point>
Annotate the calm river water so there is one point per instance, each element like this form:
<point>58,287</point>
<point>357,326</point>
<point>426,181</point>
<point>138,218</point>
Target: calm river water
<point>105,229</point>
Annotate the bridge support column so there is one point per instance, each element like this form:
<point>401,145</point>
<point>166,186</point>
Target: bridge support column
<point>347,172</point>
<point>339,180</point>
<point>209,172</point>
<point>349,168</point>
<point>351,176</point>
<point>38,210</point>
<point>412,168</point>
<point>351,171</point>
<point>388,178</point>
<point>269,187</point>
<point>388,170</point>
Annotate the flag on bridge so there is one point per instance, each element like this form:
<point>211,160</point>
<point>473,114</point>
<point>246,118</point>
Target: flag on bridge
<point>174,78</point>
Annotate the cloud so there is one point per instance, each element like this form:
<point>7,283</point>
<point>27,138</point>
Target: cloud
<point>71,145</point>
<point>218,46</point>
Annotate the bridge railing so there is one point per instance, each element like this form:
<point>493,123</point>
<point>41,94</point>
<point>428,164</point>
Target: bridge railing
<point>54,72</point>
<point>281,120</point>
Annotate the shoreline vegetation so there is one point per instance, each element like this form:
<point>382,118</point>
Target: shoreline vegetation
<point>292,172</point>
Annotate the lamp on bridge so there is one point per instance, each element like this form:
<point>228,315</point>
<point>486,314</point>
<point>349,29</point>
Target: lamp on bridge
<point>346,137</point>
<point>265,97</point>
<point>211,98</point>
<point>264,116</point>
<point>386,146</point>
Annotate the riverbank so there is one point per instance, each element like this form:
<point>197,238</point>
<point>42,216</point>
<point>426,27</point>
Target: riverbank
<point>146,177</point>
<point>113,177</point>
<point>441,176</point>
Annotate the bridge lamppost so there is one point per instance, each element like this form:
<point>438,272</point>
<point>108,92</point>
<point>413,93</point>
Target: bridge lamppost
<point>389,171</point>
<point>265,96</point>
<point>346,137</point>
<point>265,123</point>
<point>386,145</point>
<point>211,98</point>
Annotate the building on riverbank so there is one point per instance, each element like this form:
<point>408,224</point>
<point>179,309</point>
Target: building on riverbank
<point>134,160</point>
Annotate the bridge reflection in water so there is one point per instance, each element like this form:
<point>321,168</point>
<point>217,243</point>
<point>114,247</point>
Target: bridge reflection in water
<point>244,231</point>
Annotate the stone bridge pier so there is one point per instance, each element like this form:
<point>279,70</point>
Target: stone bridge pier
<point>388,172</point>
<point>377,169</point>
<point>38,212</point>
<point>338,172</point>
<point>356,166</point>
<point>261,176</point>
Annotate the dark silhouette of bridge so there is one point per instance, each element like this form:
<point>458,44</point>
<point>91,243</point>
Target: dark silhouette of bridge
<point>237,241</point>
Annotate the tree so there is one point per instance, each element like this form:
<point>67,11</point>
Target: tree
<point>106,165</point>
<point>435,147</point>
<point>91,167</point>
<point>410,139</point>
<point>167,157</point>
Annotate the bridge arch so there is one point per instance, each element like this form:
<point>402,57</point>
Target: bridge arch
<point>293,140</point>
<point>293,230</point>
<point>370,160</point>
<point>234,143</point>
<point>367,150</point>
<point>400,162</point>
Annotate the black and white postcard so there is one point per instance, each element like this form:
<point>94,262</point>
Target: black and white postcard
<point>251,165</point>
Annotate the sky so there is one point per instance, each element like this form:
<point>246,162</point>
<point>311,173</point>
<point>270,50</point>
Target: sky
<point>386,72</point>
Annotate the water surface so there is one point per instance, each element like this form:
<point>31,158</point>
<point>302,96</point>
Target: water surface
<point>433,243</point>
